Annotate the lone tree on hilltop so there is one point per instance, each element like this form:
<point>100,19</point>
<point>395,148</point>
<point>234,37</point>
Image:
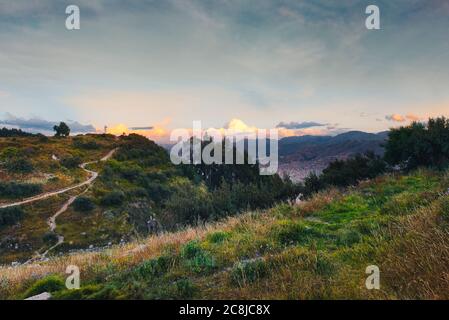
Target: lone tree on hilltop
<point>62,130</point>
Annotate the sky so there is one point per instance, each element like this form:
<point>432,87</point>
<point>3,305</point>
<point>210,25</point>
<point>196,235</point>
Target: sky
<point>150,66</point>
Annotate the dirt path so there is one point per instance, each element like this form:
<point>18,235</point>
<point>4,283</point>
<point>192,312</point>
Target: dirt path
<point>93,176</point>
<point>52,220</point>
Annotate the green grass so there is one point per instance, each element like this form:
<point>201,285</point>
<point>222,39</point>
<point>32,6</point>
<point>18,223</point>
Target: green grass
<point>317,250</point>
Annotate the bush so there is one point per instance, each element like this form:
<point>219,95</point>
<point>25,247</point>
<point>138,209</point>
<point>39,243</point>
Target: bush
<point>419,145</point>
<point>154,267</point>
<point>197,259</point>
<point>114,198</point>
<point>343,173</point>
<point>49,284</point>
<point>19,165</point>
<point>50,238</point>
<point>10,216</point>
<point>15,190</point>
<point>247,272</point>
<point>83,204</point>
<point>71,162</point>
<point>81,143</point>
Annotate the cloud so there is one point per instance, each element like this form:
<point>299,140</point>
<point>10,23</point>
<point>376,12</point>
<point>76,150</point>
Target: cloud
<point>157,132</point>
<point>400,118</point>
<point>299,125</point>
<point>41,125</point>
<point>413,117</point>
<point>395,117</point>
<point>141,128</point>
<point>4,94</point>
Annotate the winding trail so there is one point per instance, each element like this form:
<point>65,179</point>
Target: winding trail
<point>52,220</point>
<point>93,176</point>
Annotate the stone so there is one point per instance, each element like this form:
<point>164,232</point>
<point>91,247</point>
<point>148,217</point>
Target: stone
<point>42,296</point>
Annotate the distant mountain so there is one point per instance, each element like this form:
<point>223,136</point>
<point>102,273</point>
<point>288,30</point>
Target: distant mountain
<point>298,156</point>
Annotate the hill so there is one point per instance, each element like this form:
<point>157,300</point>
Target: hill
<point>318,249</point>
<point>56,196</point>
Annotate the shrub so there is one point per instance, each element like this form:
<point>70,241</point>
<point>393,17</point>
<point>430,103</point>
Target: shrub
<point>114,198</point>
<point>19,165</point>
<point>154,267</point>
<point>49,284</point>
<point>71,162</point>
<point>50,238</point>
<point>86,144</point>
<point>83,204</point>
<point>343,173</point>
<point>19,190</point>
<point>197,259</point>
<point>419,144</point>
<point>248,272</point>
<point>10,216</point>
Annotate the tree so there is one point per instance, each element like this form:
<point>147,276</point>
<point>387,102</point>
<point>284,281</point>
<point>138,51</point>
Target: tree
<point>62,130</point>
<point>419,145</point>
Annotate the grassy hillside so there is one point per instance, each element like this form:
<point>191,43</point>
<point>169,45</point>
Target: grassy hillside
<point>312,250</point>
<point>33,165</point>
<point>138,192</point>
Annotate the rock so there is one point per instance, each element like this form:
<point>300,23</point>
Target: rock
<point>42,296</point>
<point>83,233</point>
<point>91,246</point>
<point>15,264</point>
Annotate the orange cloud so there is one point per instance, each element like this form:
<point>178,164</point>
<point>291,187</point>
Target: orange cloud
<point>160,132</point>
<point>400,118</point>
<point>395,117</point>
<point>413,117</point>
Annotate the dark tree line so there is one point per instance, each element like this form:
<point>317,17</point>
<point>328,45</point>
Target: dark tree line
<point>8,133</point>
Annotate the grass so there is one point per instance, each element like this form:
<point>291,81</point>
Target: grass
<point>318,249</point>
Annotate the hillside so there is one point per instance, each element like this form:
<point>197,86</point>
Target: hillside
<point>298,156</point>
<point>318,249</point>
<point>56,196</point>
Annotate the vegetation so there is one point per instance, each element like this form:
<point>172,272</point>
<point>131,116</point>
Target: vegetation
<point>10,216</point>
<point>14,190</point>
<point>318,249</point>
<point>8,133</point>
<point>419,145</point>
<point>315,249</point>
<point>61,130</point>
<point>83,204</point>
<point>410,147</point>
<point>343,173</point>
